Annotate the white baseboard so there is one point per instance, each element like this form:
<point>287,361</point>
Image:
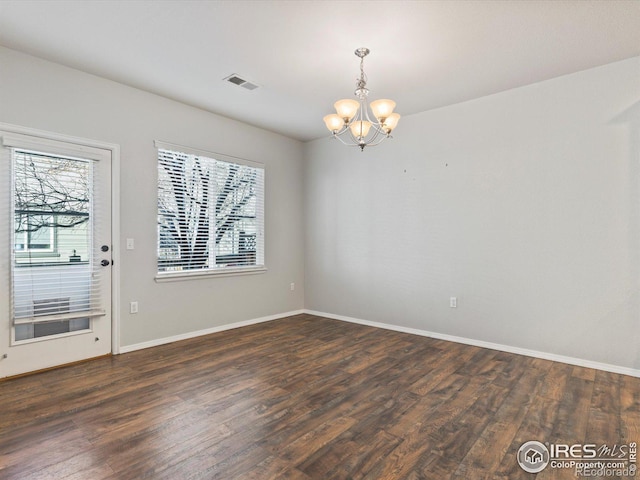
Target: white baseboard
<point>480,343</point>
<point>207,331</point>
<point>397,328</point>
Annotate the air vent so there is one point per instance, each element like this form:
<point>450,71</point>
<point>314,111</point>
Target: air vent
<point>241,82</point>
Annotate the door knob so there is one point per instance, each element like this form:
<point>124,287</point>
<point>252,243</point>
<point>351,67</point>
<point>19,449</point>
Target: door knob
<point>104,263</point>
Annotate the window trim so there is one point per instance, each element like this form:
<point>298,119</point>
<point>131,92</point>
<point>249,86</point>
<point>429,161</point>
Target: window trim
<point>162,277</point>
<point>204,153</point>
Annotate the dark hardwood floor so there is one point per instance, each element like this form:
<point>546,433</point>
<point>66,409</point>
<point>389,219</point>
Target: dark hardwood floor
<point>306,398</point>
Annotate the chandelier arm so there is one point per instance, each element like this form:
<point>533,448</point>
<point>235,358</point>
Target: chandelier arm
<point>354,139</point>
<point>380,140</point>
<point>357,118</point>
<point>376,133</point>
<point>377,139</point>
<point>342,131</point>
<point>363,115</point>
<point>378,127</point>
<point>345,143</point>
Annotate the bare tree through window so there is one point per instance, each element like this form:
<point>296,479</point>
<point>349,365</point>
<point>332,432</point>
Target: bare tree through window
<point>50,194</point>
<point>207,212</point>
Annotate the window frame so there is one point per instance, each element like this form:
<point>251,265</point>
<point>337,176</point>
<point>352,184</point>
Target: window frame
<point>260,267</point>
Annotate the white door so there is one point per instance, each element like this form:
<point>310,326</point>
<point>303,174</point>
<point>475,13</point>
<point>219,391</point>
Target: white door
<point>55,253</point>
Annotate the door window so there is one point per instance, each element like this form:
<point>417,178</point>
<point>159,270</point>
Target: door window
<point>53,285</point>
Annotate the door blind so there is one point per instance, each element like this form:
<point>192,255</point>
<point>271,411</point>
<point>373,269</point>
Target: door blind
<point>55,274</point>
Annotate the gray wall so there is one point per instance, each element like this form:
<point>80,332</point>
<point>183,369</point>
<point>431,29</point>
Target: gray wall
<point>47,96</point>
<point>524,205</point>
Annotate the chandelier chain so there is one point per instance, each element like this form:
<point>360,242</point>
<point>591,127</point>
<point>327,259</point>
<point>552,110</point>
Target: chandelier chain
<point>362,82</point>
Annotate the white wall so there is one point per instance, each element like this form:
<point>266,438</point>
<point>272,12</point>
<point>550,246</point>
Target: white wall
<point>47,96</point>
<point>525,205</point>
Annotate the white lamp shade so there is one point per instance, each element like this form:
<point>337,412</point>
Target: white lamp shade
<point>360,129</point>
<point>347,108</point>
<point>391,122</point>
<point>333,122</point>
<point>382,108</point>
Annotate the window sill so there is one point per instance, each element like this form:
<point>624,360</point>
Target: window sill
<point>227,272</point>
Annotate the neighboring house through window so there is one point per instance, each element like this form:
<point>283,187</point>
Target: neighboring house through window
<point>41,239</point>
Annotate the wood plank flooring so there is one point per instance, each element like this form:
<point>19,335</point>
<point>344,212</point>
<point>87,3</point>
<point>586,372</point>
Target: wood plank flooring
<point>305,398</point>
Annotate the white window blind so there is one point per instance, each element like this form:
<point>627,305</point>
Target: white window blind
<point>55,277</point>
<point>210,213</point>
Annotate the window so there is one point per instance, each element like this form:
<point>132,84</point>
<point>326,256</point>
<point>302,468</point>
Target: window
<point>51,207</point>
<point>210,213</point>
<point>54,286</point>
<point>40,239</point>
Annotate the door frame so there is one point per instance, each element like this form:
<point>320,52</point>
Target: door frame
<point>115,212</point>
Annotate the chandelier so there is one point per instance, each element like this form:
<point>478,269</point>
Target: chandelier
<point>352,116</point>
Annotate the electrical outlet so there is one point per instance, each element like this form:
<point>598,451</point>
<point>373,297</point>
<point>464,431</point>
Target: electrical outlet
<point>453,302</point>
<point>133,307</point>
<point>292,286</point>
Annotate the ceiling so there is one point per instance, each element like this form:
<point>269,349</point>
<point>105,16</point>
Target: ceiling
<point>424,54</point>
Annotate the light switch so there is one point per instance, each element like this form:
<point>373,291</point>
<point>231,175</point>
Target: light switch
<point>130,244</point>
